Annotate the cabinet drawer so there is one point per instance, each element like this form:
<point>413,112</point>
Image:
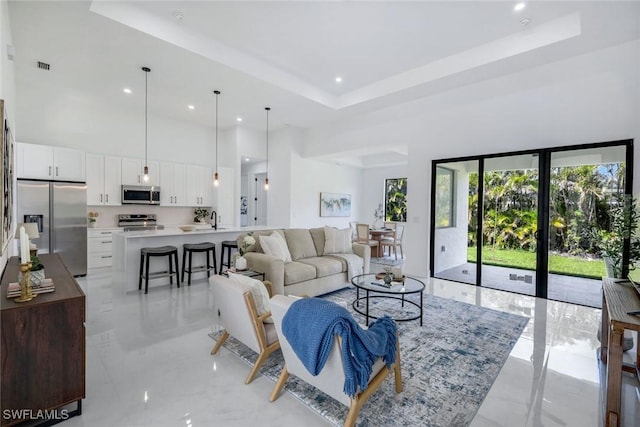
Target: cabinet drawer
<point>99,244</point>
<point>91,233</point>
<point>99,259</point>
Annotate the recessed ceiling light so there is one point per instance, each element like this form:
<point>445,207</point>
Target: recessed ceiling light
<point>126,90</point>
<point>519,6</point>
<point>247,159</point>
<point>238,119</point>
<point>191,107</point>
<point>338,79</point>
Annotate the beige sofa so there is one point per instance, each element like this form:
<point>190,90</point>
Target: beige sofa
<point>310,272</point>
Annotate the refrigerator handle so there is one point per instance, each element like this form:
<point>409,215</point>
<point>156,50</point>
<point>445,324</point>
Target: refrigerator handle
<point>57,171</point>
<point>107,198</point>
<point>100,197</point>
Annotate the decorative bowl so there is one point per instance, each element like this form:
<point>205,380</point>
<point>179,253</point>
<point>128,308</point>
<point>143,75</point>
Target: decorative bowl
<point>187,228</point>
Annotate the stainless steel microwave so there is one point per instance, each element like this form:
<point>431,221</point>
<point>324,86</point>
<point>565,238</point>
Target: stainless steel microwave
<point>140,195</point>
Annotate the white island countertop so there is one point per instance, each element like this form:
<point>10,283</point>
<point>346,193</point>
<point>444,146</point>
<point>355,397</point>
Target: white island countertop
<point>199,230</point>
<point>127,245</point>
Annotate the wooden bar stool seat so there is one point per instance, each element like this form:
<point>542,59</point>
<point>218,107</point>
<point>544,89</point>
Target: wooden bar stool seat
<point>206,248</point>
<point>146,253</point>
<point>229,245</point>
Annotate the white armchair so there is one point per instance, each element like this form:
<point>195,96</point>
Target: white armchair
<point>241,320</point>
<point>331,379</point>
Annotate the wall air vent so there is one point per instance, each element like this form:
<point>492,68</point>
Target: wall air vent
<point>43,66</point>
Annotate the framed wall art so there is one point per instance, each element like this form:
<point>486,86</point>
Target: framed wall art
<point>334,204</point>
<point>6,186</point>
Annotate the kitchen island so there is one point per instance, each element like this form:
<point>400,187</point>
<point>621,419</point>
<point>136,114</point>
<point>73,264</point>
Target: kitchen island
<point>127,245</point>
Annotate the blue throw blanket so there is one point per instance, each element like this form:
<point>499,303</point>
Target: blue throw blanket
<point>310,325</point>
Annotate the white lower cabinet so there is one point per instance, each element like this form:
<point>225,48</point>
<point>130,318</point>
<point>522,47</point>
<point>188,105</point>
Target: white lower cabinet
<point>99,250</point>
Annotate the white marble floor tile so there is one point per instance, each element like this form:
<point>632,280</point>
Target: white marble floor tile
<point>148,364</point>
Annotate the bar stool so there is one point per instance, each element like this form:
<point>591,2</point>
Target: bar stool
<point>205,247</point>
<point>146,253</point>
<point>229,245</point>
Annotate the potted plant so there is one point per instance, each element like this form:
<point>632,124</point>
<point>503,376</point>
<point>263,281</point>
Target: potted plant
<point>92,218</point>
<point>624,220</point>
<point>241,262</point>
<point>200,215</point>
<point>378,214</point>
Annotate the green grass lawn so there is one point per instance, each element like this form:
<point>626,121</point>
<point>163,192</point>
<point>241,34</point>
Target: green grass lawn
<point>559,264</point>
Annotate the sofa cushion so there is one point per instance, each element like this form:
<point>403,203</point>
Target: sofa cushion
<point>295,272</point>
<point>317,234</point>
<point>342,261</point>
<point>256,235</point>
<point>337,241</point>
<point>275,246</point>
<point>325,266</point>
<point>300,243</point>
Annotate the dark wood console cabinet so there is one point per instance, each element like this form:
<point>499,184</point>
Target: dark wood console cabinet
<point>42,346</point>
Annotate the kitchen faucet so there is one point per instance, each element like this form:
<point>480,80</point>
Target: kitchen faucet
<point>214,218</point>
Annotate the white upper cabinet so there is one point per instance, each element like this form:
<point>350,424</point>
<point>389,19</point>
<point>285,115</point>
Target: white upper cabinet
<point>199,188</point>
<point>48,162</point>
<point>172,184</point>
<point>103,180</point>
<point>132,172</point>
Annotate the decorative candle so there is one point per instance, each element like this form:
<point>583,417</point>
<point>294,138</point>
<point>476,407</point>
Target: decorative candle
<point>23,240</point>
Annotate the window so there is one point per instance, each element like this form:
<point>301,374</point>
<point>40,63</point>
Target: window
<point>445,196</point>
<point>395,200</point>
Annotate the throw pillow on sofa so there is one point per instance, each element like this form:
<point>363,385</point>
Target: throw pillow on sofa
<point>258,292</point>
<point>276,246</point>
<point>337,241</point>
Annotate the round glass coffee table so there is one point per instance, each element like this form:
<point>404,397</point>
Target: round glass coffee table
<point>374,288</point>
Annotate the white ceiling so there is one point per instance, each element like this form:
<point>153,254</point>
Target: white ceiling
<point>287,54</point>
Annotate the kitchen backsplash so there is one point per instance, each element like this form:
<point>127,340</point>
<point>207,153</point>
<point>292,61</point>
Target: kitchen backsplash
<point>108,215</point>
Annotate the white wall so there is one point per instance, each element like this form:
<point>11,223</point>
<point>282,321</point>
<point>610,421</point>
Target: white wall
<point>101,129</point>
<point>312,177</point>
<point>7,93</point>
<point>588,98</point>
<point>280,200</point>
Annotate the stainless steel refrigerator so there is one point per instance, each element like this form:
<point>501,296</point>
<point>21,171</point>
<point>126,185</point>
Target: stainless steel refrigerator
<point>60,209</point>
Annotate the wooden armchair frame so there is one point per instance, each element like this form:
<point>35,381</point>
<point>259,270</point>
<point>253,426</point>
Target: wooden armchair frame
<point>257,322</point>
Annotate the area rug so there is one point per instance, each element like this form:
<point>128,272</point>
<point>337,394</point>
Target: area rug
<point>448,364</point>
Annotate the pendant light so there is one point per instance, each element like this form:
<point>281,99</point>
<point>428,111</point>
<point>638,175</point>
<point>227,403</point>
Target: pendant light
<point>266,180</point>
<point>145,177</point>
<point>215,175</point>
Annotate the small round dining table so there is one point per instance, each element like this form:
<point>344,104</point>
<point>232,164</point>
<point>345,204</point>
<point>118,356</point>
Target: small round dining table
<point>377,234</point>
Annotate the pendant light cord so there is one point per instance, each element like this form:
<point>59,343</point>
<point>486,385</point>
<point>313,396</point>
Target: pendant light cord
<point>146,114</point>
<point>146,117</point>
<point>217,92</point>
<point>268,109</point>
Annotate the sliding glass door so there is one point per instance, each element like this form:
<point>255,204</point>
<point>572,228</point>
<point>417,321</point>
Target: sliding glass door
<point>509,223</point>
<point>530,222</point>
<point>584,184</point>
<point>455,221</point>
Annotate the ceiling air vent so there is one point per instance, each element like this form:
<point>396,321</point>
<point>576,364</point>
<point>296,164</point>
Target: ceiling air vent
<point>43,65</point>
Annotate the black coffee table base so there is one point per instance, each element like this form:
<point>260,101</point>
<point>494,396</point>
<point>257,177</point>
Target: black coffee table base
<point>367,297</point>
